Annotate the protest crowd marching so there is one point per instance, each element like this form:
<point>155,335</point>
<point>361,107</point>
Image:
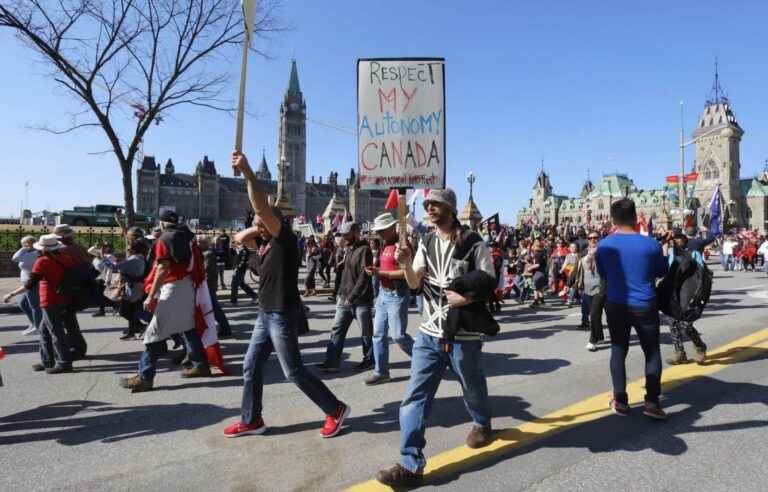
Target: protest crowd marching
<point>622,273</point>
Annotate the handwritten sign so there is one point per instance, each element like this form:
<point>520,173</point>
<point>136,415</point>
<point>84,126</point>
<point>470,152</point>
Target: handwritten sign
<point>401,123</point>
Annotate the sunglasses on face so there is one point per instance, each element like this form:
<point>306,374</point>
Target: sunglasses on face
<point>593,238</point>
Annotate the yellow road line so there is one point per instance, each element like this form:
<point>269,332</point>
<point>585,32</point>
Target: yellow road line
<point>593,408</point>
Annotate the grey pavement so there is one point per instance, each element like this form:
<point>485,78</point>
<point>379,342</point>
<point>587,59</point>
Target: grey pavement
<point>81,431</point>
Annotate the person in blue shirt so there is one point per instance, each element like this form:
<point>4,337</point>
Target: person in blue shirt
<point>630,263</point>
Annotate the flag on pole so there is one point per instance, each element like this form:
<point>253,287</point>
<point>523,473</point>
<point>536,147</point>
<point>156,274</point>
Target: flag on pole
<point>249,14</point>
<point>391,200</point>
<point>714,213</point>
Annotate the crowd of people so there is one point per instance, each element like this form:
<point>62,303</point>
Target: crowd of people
<point>165,285</point>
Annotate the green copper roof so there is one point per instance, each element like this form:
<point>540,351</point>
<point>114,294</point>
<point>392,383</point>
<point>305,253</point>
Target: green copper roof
<point>293,82</point>
<point>753,188</point>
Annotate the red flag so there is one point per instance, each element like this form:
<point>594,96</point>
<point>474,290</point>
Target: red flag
<point>391,200</point>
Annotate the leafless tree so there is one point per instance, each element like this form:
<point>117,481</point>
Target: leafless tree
<point>130,62</point>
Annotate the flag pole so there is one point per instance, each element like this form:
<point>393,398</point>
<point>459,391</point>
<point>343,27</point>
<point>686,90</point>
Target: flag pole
<point>241,100</point>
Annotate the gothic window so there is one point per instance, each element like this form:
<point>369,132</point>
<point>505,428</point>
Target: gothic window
<point>715,173</point>
<point>721,119</point>
<point>707,174</point>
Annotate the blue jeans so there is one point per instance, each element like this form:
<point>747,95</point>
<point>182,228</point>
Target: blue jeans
<point>427,366</point>
<point>344,317</point>
<point>621,319</point>
<point>54,346</point>
<point>153,351</point>
<point>276,331</point>
<point>30,304</point>
<point>391,319</point>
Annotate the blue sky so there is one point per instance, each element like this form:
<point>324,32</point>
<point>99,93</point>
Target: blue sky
<point>584,85</point>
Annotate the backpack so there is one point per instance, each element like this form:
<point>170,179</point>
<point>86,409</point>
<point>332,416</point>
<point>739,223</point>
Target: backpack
<point>686,289</point>
<point>79,284</point>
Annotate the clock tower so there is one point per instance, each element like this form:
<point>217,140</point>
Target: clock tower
<point>292,142</point>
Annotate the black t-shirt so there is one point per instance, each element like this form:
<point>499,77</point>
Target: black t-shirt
<point>279,273</point>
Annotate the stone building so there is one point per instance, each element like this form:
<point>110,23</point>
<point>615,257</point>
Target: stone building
<point>717,138</point>
<point>216,200</point>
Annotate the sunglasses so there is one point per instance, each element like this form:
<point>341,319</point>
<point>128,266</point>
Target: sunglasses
<point>593,238</point>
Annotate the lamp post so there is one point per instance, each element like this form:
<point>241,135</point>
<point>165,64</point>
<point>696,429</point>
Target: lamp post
<point>471,178</point>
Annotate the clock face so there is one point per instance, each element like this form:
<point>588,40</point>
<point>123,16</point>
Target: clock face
<point>294,106</point>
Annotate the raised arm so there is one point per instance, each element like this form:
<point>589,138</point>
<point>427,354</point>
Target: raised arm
<point>256,195</point>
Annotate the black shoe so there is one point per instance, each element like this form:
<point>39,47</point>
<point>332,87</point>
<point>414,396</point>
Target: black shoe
<point>98,314</point>
<point>59,370</point>
<point>177,358</point>
<point>325,367</point>
<point>39,367</point>
<point>375,379</point>
<point>365,365</point>
<point>224,333</point>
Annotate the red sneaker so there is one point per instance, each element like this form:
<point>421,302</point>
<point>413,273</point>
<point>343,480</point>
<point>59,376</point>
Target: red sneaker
<point>241,429</point>
<point>334,422</point>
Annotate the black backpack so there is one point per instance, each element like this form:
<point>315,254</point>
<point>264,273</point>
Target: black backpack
<point>79,284</point>
<point>685,290</point>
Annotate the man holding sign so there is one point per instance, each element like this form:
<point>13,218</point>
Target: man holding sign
<point>443,256</point>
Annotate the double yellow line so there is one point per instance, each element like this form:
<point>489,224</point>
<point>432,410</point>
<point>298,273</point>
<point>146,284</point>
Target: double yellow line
<point>461,458</point>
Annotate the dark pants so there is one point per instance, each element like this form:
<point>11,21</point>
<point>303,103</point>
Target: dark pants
<point>238,282</point>
<point>276,331</point>
<point>621,319</point>
<point>325,274</point>
<point>341,322</point>
<point>679,329</point>
<point>221,318</point>
<point>596,331</point>
<point>309,283</point>
<point>153,351</point>
<point>54,346</point>
<point>130,311</point>
<point>586,308</point>
<point>337,282</point>
<point>220,269</point>
<point>75,338</point>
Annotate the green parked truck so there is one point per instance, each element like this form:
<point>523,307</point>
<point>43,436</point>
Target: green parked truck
<point>100,216</point>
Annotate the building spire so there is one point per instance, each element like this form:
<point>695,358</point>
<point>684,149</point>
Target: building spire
<point>293,82</point>
<point>717,95</point>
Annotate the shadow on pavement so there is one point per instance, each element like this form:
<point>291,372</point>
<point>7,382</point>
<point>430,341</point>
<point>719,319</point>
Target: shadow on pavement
<point>81,421</point>
<point>637,433</point>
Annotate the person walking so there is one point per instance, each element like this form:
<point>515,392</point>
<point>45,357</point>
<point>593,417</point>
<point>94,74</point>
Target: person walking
<point>238,277</point>
<point>355,300</point>
<point>314,256</point>
<point>280,312</point>
<point>210,264</point>
<point>588,284</point>
<point>391,318</point>
<point>434,267</point>
<point>171,299</point>
<point>222,258</point>
<point>47,274</point>
<point>683,258</point>
<point>630,263</point>
<point>81,258</point>
<point>30,299</point>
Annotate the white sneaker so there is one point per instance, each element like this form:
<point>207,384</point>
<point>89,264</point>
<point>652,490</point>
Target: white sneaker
<point>591,347</point>
<point>32,330</point>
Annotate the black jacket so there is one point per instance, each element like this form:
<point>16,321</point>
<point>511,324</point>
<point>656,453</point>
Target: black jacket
<point>356,286</point>
<point>474,317</point>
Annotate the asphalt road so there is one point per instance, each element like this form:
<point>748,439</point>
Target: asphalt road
<point>82,432</point>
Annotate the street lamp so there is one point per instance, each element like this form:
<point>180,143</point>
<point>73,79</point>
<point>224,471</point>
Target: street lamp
<point>471,178</point>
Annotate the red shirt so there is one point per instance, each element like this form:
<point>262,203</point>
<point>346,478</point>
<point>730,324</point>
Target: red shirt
<point>177,271</point>
<point>388,263</point>
<point>51,273</point>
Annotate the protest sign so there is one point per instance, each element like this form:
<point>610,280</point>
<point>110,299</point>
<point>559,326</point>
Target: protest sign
<point>401,123</point>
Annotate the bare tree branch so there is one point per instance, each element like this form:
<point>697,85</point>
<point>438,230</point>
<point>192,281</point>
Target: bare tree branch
<point>142,57</point>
